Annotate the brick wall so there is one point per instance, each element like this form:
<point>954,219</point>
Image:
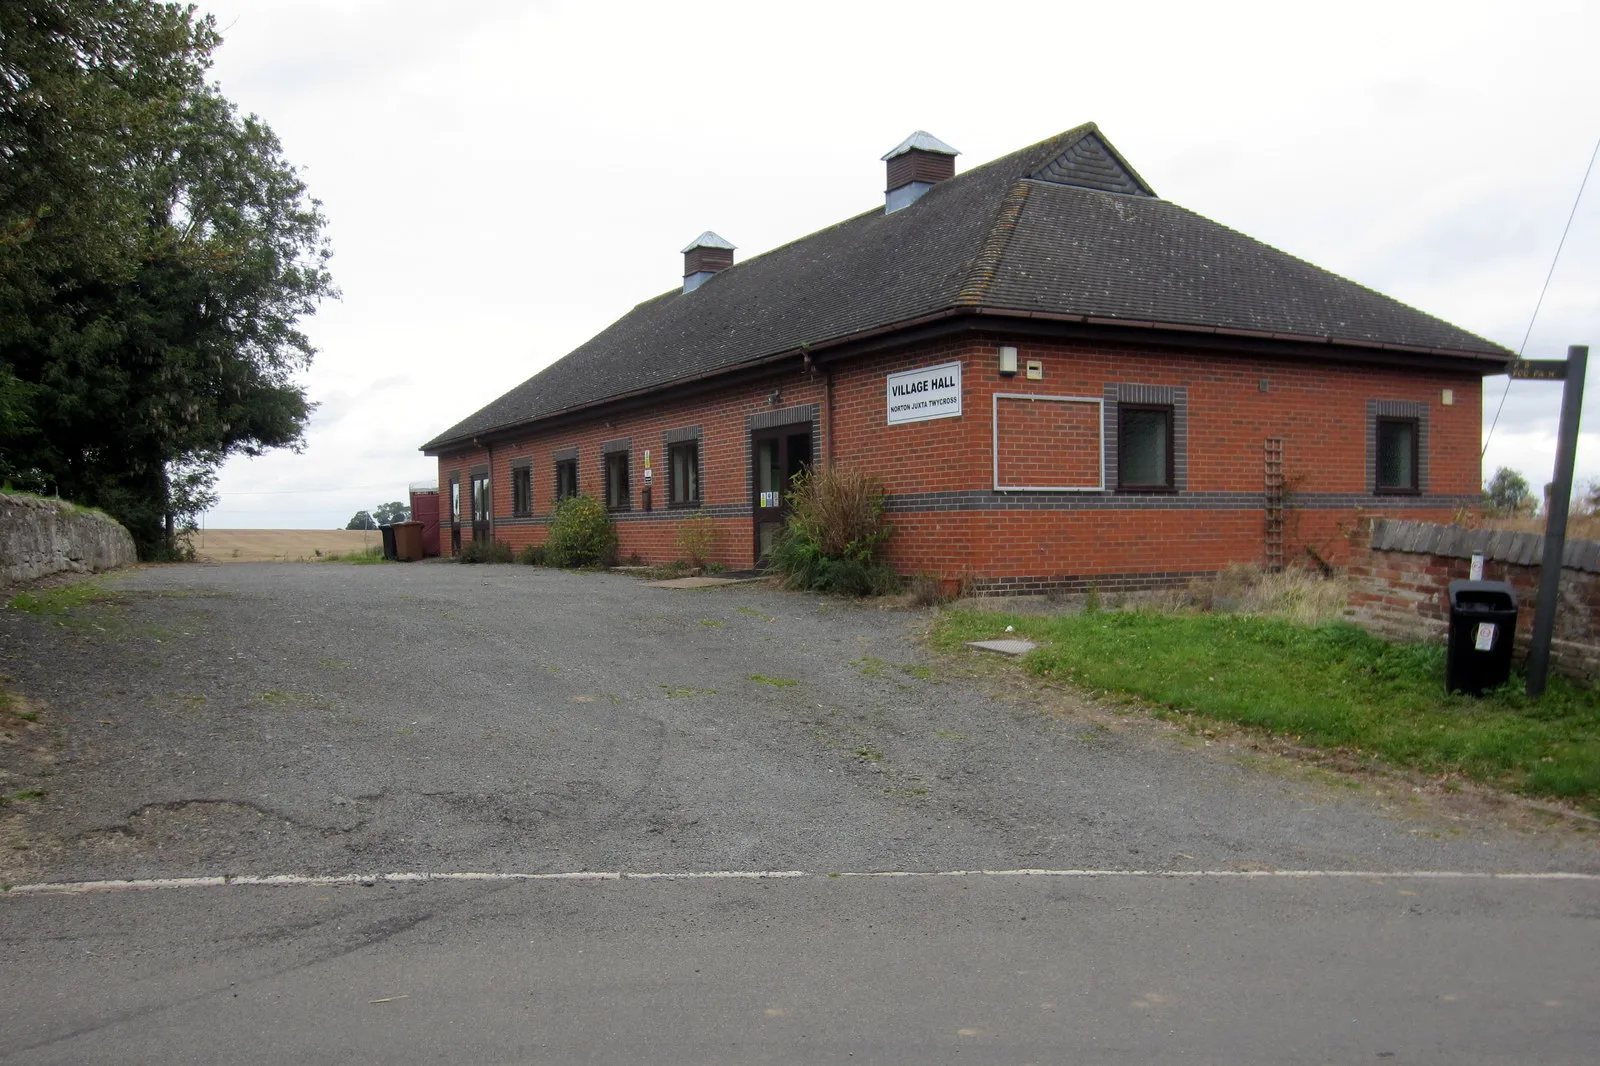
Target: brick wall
<point>940,474</point>
<point>1399,573</point>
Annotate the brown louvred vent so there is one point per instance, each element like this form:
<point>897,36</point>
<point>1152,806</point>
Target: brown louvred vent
<point>705,256</point>
<point>916,165</point>
<point>920,166</point>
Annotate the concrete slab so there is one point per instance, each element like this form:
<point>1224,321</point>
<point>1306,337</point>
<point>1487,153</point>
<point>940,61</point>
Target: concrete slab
<point>1004,647</point>
<point>701,582</point>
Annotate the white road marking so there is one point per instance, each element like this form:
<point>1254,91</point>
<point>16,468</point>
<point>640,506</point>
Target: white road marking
<point>77,888</point>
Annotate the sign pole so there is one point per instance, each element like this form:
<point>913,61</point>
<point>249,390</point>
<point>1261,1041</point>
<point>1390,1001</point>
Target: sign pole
<point>1555,523</point>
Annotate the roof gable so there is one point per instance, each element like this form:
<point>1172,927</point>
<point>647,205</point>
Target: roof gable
<point>1091,163</point>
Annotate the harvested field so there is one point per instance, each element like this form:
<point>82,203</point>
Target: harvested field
<point>279,545</point>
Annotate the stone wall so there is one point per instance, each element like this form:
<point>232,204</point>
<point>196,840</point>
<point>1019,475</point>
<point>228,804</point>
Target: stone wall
<point>39,537</point>
<point>1399,572</point>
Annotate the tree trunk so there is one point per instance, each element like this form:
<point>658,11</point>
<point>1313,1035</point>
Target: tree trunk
<point>166,510</point>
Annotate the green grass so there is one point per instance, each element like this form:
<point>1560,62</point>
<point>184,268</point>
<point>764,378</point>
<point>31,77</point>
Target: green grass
<point>1331,686</point>
<point>53,602</point>
<point>65,505</point>
<point>775,682</point>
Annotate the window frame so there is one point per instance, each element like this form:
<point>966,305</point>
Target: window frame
<point>1170,411</point>
<point>1378,487</point>
<point>689,502</point>
<point>522,489</point>
<point>570,465</point>
<point>611,458</point>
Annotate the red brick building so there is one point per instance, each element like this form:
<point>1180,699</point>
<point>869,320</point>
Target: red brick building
<point>1061,379</point>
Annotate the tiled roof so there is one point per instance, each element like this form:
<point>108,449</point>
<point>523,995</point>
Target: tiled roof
<point>1063,227</point>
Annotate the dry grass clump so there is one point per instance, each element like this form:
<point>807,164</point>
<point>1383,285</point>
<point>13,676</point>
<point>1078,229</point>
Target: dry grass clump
<point>841,510</point>
<point>834,537</point>
<point>1579,526</point>
<point>1298,595</point>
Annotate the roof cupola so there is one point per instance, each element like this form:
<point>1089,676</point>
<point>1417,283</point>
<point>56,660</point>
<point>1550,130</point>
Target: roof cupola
<point>916,165</point>
<point>706,255</point>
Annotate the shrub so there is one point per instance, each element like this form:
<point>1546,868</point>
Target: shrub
<point>928,591</point>
<point>834,536</point>
<point>581,534</point>
<point>532,555</point>
<point>478,551</point>
<point>697,537</point>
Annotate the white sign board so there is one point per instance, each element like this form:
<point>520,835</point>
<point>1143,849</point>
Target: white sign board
<point>919,395</point>
<point>1485,637</point>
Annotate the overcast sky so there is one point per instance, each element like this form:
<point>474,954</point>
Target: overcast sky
<point>504,179</point>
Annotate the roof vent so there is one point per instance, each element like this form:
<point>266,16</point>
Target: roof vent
<point>917,164</point>
<point>705,256</point>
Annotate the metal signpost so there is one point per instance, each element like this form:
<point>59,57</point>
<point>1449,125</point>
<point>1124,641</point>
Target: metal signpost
<point>1570,374</point>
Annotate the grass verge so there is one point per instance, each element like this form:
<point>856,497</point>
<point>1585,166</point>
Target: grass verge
<point>1330,685</point>
<point>54,602</point>
<point>368,556</point>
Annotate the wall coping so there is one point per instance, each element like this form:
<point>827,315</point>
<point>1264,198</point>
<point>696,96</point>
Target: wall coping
<point>1500,545</point>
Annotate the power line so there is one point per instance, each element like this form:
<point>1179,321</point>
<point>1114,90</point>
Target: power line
<point>1540,302</point>
<point>297,492</point>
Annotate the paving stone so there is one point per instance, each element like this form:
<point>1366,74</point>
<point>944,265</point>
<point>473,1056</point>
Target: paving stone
<point>1004,647</point>
<point>700,582</point>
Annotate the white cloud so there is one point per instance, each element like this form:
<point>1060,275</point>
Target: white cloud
<point>504,179</point>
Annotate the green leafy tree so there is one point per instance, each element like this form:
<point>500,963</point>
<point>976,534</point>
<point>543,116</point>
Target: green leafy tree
<point>362,520</point>
<point>152,272</point>
<point>388,514</point>
<point>1507,493</point>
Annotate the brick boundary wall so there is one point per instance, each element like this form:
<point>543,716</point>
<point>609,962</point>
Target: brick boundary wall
<point>1399,572</point>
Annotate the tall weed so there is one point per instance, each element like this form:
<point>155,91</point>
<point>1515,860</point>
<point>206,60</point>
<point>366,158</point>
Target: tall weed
<point>835,535</point>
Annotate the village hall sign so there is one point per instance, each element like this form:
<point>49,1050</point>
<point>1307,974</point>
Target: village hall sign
<point>918,395</point>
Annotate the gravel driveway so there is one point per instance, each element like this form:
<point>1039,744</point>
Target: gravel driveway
<point>267,718</point>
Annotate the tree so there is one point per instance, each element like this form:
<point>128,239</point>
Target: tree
<point>1507,493</point>
<point>362,520</point>
<point>152,277</point>
<point>388,514</point>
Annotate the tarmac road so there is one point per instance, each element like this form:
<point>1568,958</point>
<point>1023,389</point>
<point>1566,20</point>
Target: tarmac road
<point>329,720</point>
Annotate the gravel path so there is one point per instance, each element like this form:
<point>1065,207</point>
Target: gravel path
<point>264,718</point>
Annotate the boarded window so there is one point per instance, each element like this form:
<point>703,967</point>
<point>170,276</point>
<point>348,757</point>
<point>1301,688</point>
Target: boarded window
<point>1047,443</point>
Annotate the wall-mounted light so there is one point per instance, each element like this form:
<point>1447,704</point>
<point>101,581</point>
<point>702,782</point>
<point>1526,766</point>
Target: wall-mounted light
<point>1008,360</point>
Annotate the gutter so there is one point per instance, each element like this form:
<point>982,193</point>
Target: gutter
<point>808,354</point>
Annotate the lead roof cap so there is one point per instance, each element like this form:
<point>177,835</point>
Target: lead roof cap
<point>708,240</point>
<point>921,141</point>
